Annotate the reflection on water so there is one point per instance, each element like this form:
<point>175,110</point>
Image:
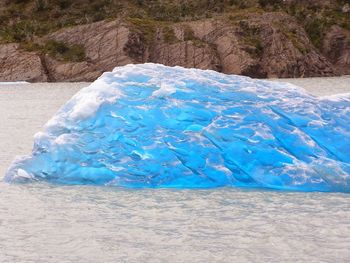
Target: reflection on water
<point>45,223</point>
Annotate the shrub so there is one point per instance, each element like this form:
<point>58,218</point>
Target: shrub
<point>251,39</point>
<point>169,35</point>
<point>18,32</point>
<point>270,3</point>
<point>41,5</point>
<point>21,1</point>
<point>146,27</point>
<point>189,36</point>
<point>57,50</point>
<point>240,3</point>
<point>62,51</point>
<point>315,29</point>
<point>63,4</point>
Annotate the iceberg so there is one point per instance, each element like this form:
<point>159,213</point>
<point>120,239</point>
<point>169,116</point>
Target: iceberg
<point>152,126</point>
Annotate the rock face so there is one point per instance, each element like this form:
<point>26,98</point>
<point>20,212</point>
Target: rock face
<point>16,64</point>
<point>270,45</point>
<point>103,42</point>
<point>257,45</point>
<point>336,46</point>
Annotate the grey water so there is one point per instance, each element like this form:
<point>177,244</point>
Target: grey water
<point>48,223</point>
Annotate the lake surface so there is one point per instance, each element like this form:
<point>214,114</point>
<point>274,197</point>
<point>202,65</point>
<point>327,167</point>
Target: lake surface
<point>47,223</point>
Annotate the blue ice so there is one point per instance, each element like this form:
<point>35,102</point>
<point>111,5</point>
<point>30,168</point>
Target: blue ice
<point>154,126</point>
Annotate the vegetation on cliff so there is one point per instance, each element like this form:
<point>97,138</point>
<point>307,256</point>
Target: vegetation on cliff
<point>23,20</point>
<point>257,31</point>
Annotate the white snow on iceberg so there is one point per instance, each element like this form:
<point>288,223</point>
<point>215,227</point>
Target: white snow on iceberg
<point>149,125</point>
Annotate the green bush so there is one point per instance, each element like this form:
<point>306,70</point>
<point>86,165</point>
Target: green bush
<point>271,3</point>
<point>41,5</point>
<point>190,36</point>
<point>251,38</point>
<point>62,51</point>
<point>18,32</point>
<point>169,35</point>
<point>21,1</point>
<point>240,3</point>
<point>315,29</point>
<point>63,4</point>
<point>146,27</point>
<point>57,50</point>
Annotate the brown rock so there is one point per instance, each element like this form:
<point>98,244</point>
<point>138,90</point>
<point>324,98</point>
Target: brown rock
<point>190,53</point>
<point>267,45</point>
<point>186,54</point>
<point>18,65</point>
<point>346,8</point>
<point>257,45</point>
<point>336,47</point>
<point>288,51</point>
<point>103,42</point>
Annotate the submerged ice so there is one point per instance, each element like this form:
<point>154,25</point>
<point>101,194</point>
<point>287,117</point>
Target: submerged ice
<point>155,126</point>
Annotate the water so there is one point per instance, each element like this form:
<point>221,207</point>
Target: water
<point>46,223</point>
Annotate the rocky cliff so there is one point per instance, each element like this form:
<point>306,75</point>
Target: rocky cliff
<point>257,44</point>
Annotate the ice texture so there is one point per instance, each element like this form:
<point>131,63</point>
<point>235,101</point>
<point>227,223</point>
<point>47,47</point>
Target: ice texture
<point>154,126</point>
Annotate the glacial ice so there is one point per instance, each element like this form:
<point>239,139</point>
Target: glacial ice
<point>154,126</point>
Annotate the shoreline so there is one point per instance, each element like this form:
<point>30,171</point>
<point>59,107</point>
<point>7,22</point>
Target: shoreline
<point>316,86</point>
<point>321,86</point>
